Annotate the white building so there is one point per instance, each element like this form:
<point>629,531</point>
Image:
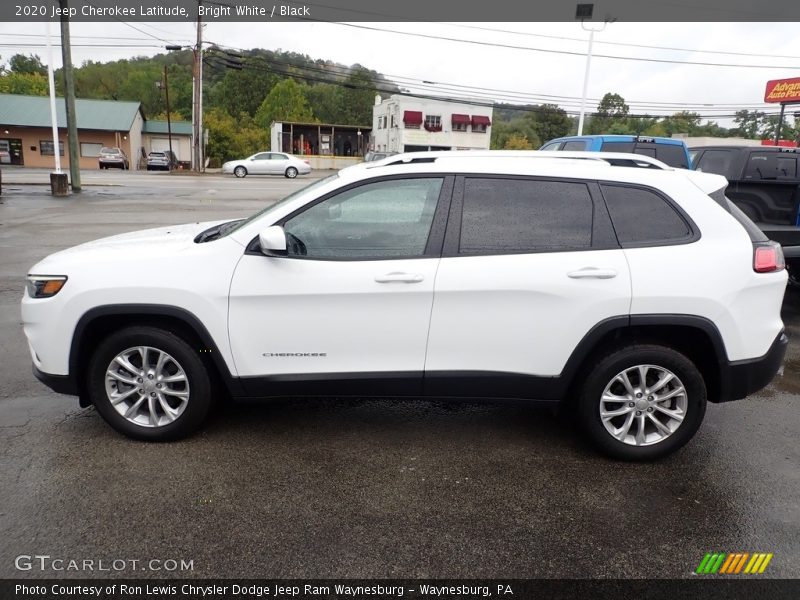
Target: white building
<point>404,124</point>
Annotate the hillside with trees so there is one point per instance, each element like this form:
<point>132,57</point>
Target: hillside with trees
<point>245,91</point>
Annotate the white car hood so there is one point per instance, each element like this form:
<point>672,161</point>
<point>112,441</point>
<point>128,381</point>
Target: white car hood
<point>141,244</point>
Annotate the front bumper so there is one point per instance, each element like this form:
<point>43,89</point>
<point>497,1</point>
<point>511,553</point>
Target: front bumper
<point>61,384</point>
<point>744,377</point>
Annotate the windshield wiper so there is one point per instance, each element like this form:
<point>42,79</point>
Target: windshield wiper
<point>216,232</point>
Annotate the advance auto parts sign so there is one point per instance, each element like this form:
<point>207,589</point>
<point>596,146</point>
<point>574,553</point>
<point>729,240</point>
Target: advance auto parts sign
<point>783,90</point>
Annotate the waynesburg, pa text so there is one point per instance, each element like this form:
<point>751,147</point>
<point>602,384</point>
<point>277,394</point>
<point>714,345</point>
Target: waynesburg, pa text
<point>189,590</point>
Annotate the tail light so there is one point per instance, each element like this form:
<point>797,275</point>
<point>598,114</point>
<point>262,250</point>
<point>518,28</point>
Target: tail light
<point>305,161</point>
<point>768,257</point>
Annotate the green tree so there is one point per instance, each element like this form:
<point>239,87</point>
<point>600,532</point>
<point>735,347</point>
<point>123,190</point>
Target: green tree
<point>243,90</point>
<point>749,123</point>
<point>286,101</point>
<point>504,131</point>
<point>548,121</point>
<point>29,84</point>
<point>611,116</point>
<point>682,122</point>
<point>230,138</point>
<point>27,65</point>
<point>357,98</point>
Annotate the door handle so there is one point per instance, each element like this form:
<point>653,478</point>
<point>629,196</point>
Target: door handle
<point>397,277</point>
<point>592,273</point>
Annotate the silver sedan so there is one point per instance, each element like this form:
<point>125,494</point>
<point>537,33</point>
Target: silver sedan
<point>268,163</point>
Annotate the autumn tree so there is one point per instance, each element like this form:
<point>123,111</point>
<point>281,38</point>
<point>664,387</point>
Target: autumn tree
<point>517,142</point>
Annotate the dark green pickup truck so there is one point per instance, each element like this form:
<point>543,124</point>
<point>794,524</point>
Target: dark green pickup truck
<point>763,181</point>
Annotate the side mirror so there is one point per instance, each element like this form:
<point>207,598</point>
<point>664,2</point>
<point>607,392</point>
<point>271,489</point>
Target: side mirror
<point>335,211</point>
<point>273,241</point>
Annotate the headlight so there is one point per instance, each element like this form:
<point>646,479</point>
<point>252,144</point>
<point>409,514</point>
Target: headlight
<point>45,286</point>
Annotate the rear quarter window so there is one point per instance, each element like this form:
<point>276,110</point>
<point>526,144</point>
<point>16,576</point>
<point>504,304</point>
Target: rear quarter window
<point>642,217</point>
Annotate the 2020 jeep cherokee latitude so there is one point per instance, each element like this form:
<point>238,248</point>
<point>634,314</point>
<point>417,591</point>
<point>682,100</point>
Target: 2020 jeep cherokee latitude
<point>632,295</point>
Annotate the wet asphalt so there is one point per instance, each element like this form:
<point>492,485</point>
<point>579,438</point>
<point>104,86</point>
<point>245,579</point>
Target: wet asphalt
<point>368,487</point>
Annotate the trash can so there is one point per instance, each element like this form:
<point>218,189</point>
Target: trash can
<point>59,184</point>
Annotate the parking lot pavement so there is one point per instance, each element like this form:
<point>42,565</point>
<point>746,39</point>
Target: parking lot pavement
<point>368,487</point>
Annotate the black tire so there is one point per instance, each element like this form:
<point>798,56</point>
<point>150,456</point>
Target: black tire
<point>606,369</point>
<point>240,171</point>
<point>291,172</point>
<point>793,270</point>
<point>200,396</point>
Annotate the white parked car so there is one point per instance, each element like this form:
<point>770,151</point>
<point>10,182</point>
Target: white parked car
<point>268,163</point>
<point>630,295</point>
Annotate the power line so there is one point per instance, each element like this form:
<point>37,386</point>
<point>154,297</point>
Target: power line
<point>456,100</point>
<point>503,95</point>
<point>551,51</point>
<point>625,44</point>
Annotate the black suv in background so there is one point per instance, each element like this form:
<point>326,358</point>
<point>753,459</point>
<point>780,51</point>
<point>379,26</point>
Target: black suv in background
<point>162,161</point>
<point>764,182</point>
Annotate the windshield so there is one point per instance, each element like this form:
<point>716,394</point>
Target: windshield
<point>280,203</point>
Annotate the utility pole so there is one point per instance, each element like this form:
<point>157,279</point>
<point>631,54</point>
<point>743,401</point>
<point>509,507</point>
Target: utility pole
<point>69,100</point>
<point>169,119</point>
<point>197,104</point>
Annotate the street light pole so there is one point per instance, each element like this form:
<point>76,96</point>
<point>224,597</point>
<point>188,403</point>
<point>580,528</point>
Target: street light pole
<point>583,12</point>
<point>585,81</point>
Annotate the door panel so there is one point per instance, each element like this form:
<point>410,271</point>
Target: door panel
<point>531,265</point>
<point>353,296</point>
<point>522,313</point>
<point>260,164</point>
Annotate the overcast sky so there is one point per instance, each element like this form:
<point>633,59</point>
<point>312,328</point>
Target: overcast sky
<point>532,75</point>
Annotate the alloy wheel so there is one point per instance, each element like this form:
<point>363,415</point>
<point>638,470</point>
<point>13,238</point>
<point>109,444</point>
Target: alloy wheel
<point>147,386</point>
<point>643,405</point>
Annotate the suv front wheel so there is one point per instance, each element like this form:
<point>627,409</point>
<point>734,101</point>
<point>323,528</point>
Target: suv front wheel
<point>149,384</point>
<point>642,402</point>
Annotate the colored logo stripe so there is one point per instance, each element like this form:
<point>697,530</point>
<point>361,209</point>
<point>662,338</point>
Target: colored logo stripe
<point>733,563</point>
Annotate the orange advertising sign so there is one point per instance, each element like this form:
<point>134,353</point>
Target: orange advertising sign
<point>783,90</point>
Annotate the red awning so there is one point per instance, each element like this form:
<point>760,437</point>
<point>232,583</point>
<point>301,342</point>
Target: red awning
<point>461,119</point>
<point>480,120</point>
<point>412,117</point>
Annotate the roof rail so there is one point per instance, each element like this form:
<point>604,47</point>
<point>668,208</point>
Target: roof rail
<point>616,159</point>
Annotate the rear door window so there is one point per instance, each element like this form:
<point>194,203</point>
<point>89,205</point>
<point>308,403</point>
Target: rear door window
<point>505,216</point>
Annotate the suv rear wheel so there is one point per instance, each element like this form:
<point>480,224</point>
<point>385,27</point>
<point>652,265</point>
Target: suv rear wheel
<point>149,384</point>
<point>642,402</point>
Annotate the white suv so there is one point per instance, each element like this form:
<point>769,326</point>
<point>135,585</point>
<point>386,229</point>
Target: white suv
<point>628,291</point>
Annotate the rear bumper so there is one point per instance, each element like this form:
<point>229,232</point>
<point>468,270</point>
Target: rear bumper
<point>744,377</point>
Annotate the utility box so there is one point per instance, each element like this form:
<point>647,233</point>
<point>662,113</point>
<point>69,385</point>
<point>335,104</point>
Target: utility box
<point>59,184</point>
